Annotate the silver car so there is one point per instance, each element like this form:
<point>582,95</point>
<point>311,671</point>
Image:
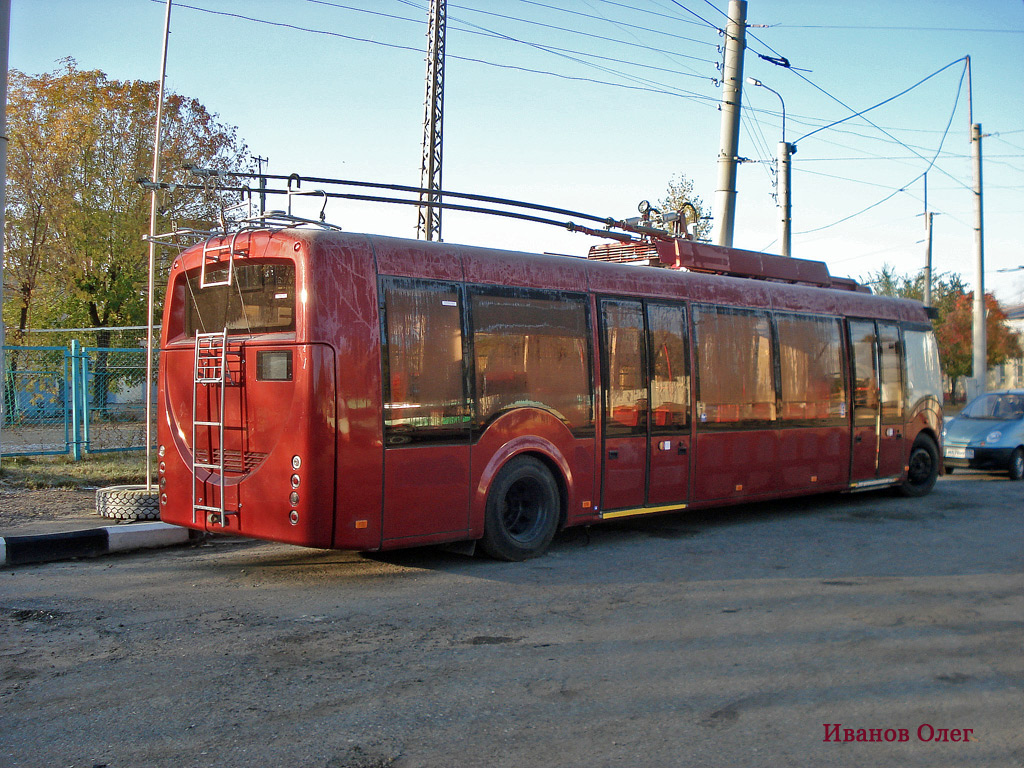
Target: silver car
<point>988,434</point>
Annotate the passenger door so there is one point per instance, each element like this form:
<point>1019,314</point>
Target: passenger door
<point>866,401</point>
<point>624,405</point>
<point>646,405</point>
<point>669,477</point>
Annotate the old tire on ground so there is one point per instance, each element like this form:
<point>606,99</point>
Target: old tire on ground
<point>923,468</point>
<point>1016,469</point>
<point>128,502</point>
<point>522,512</point>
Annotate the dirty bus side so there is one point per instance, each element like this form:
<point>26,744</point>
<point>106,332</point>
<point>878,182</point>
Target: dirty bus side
<point>348,391</point>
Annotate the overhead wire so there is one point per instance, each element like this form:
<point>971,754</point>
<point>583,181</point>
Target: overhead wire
<point>699,98</point>
<point>601,18</point>
<point>557,52</point>
<point>673,56</point>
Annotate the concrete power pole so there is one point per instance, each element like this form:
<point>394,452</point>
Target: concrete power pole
<point>978,337</point>
<point>732,90</point>
<point>980,343</point>
<point>429,225</point>
<point>928,259</point>
<point>785,197</point>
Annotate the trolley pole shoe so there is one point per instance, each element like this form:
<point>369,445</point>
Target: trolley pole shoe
<point>50,547</point>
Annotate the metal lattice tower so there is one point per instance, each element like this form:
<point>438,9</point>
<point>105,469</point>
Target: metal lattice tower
<point>429,225</point>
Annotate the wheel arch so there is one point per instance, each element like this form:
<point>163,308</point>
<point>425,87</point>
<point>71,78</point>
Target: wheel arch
<point>528,445</point>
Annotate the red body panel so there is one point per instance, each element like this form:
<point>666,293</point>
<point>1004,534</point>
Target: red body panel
<point>281,419</point>
<point>670,470</point>
<point>426,492</point>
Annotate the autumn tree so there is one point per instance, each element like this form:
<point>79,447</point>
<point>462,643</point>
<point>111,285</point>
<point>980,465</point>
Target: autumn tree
<point>679,192</point>
<point>955,336</point>
<point>955,322</point>
<point>76,215</point>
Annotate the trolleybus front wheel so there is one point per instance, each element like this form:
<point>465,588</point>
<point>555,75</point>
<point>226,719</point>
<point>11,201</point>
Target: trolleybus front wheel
<point>522,511</point>
<point>923,467</point>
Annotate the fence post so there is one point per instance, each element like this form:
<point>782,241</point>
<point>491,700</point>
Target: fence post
<point>77,400</point>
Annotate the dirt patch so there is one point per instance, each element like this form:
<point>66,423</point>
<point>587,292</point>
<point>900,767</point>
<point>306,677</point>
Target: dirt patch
<point>19,506</point>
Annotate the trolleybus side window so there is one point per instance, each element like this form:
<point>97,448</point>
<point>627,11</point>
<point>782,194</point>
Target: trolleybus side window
<point>260,299</point>
<point>425,380</point>
<point>865,366</point>
<point>623,347</point>
<point>811,363</point>
<point>924,377</point>
<point>531,349</point>
<point>735,371</point>
<point>670,368</point>
<point>890,360</point>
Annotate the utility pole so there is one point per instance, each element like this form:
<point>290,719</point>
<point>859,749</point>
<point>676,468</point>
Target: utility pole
<point>5,40</point>
<point>978,336</point>
<point>980,361</point>
<point>928,258</point>
<point>429,224</point>
<point>785,201</point>
<point>151,283</point>
<point>263,182</point>
<point>927,298</point>
<point>732,90</point>
<point>784,177</point>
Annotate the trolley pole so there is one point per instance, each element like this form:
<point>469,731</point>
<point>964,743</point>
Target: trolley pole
<point>732,90</point>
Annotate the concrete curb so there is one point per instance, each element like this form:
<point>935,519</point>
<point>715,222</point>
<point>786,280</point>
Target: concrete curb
<point>93,542</point>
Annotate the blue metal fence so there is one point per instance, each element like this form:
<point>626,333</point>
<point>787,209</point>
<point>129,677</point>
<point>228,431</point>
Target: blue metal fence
<point>60,400</point>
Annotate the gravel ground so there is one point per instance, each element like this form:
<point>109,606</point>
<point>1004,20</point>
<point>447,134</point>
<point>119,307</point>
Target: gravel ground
<point>726,638</point>
<point>20,507</point>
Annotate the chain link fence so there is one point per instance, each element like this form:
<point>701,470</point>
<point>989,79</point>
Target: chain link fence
<point>74,399</point>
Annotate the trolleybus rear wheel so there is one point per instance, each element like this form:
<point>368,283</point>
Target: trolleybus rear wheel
<point>522,511</point>
<point>923,467</point>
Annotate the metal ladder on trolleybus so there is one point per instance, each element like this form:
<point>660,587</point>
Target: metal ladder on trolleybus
<point>211,370</point>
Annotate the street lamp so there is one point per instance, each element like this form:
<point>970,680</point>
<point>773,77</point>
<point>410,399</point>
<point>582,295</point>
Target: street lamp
<point>786,150</point>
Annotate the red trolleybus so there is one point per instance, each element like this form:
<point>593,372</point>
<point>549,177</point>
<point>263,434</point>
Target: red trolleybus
<point>358,392</point>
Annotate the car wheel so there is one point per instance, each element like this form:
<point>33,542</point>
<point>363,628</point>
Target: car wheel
<point>522,512</point>
<point>923,467</point>
<point>1017,464</point>
<point>950,470</point>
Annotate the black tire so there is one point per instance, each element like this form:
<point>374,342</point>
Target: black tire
<point>950,470</point>
<point>923,468</point>
<point>522,513</point>
<point>128,502</point>
<point>1016,470</point>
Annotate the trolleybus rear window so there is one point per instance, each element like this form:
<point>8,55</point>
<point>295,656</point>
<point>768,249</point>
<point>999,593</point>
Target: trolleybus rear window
<point>260,299</point>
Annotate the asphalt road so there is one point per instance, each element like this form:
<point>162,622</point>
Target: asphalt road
<point>725,638</point>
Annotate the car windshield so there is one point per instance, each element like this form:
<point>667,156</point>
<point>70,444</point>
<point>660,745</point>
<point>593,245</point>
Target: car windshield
<point>996,408</point>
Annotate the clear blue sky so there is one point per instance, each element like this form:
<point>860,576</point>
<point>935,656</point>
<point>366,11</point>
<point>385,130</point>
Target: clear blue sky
<point>627,100</point>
